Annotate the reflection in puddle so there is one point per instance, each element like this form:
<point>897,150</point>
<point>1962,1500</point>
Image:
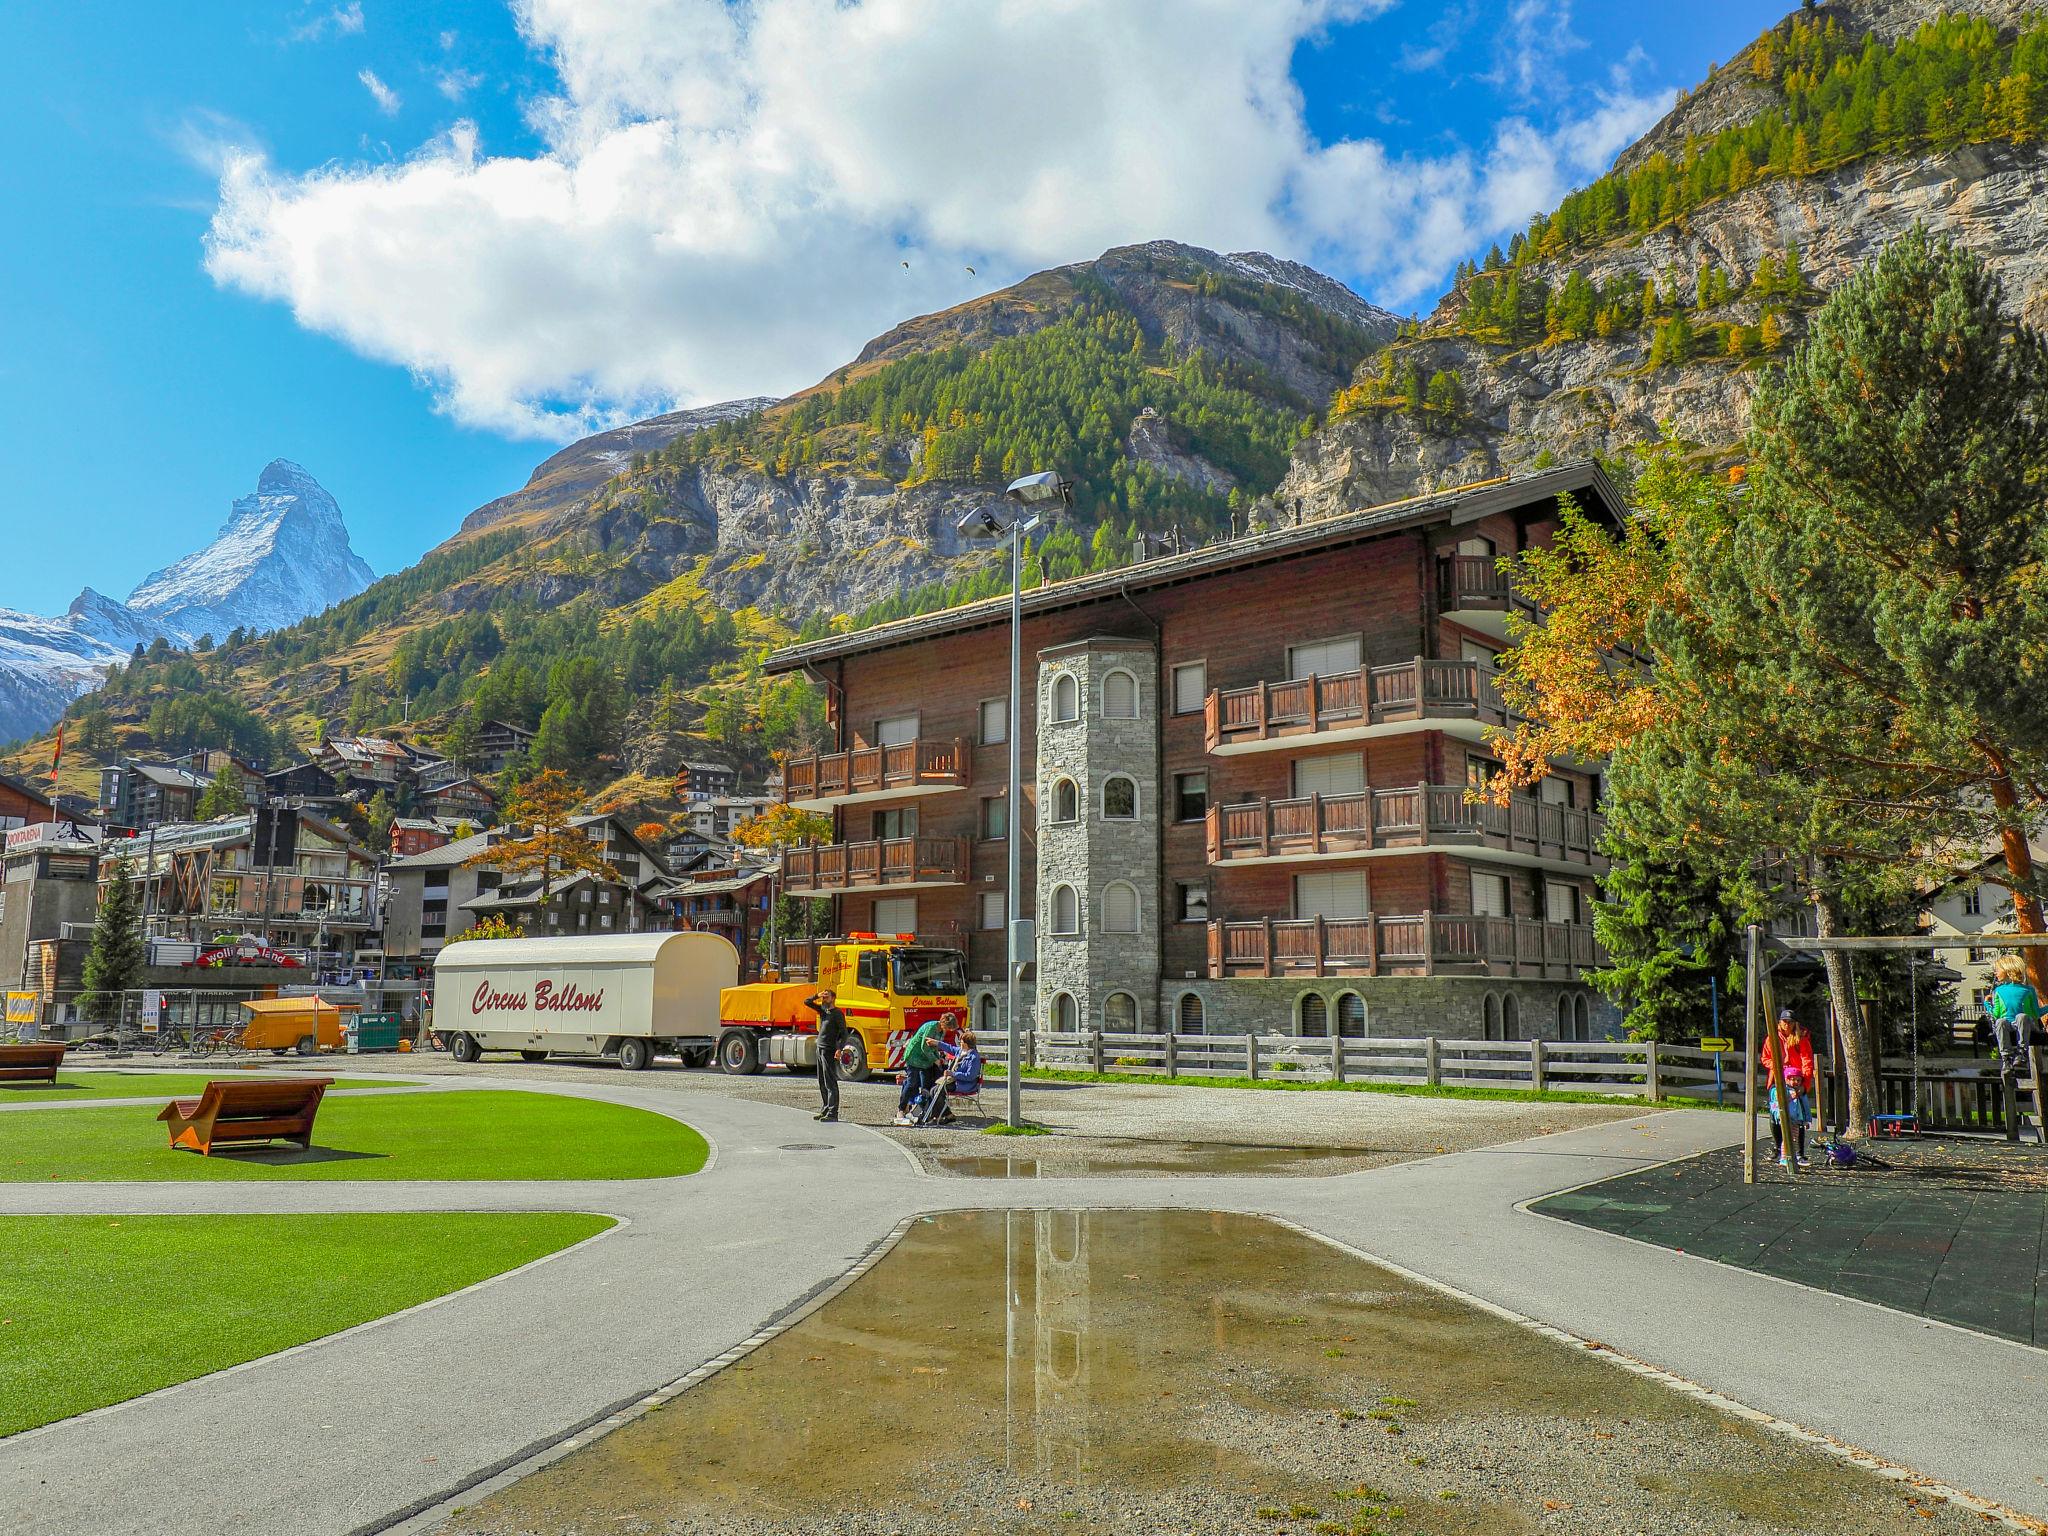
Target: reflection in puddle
<point>1176,1371</point>
<point>1159,1158</point>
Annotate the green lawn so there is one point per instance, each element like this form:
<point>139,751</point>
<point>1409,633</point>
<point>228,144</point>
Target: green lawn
<point>99,1309</point>
<point>464,1135</point>
<point>169,1085</point>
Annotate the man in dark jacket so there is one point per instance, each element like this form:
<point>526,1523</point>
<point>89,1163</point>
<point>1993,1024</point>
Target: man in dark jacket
<point>832,1033</point>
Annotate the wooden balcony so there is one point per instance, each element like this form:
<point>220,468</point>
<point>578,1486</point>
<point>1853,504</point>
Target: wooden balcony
<point>1434,816</point>
<point>1354,706</point>
<point>800,956</point>
<point>925,766</point>
<point>1432,944</point>
<point>1473,588</point>
<point>893,863</point>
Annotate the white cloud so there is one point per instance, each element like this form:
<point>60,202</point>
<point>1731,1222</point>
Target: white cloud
<point>457,83</point>
<point>385,97</point>
<point>725,195</point>
<point>341,20</point>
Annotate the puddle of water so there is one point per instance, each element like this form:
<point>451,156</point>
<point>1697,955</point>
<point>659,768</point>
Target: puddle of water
<point>1164,1157</point>
<point>1137,1371</point>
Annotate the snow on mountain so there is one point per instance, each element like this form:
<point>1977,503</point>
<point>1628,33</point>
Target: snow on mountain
<point>282,554</point>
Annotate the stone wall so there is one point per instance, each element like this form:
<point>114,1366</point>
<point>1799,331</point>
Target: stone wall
<point>1397,1007</point>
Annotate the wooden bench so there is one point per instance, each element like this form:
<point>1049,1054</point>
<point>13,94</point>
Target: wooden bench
<point>30,1063</point>
<point>246,1112</point>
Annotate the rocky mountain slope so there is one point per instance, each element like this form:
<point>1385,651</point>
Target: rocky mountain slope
<point>282,554</point>
<point>1556,397</point>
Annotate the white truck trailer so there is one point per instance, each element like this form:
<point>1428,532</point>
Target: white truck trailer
<point>628,995</point>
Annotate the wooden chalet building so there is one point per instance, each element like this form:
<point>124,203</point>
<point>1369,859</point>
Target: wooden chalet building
<point>1245,785</point>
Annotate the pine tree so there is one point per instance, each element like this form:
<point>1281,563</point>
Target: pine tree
<point>1671,930</point>
<point>224,796</point>
<point>379,816</point>
<point>114,962</point>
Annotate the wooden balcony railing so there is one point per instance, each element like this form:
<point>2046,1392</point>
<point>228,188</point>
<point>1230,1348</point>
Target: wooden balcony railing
<point>800,956</point>
<point>925,763</point>
<point>1344,701</point>
<point>1474,582</point>
<point>1432,944</point>
<point>1414,816</point>
<point>823,868</point>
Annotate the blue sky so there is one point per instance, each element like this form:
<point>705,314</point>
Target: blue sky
<point>413,246</point>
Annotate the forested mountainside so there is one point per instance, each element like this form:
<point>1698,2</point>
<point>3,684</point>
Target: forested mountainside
<point>624,593</point>
<point>1647,303</point>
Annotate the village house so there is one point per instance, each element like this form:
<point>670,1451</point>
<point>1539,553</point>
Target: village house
<point>141,795</point>
<point>1246,776</point>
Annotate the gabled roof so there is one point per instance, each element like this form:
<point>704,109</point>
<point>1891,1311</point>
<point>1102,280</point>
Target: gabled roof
<point>1582,479</point>
<point>446,856</point>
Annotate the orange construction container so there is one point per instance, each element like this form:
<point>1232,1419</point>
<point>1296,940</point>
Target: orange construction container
<point>302,1024</point>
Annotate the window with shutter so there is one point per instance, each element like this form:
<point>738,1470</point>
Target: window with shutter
<point>1329,894</point>
<point>1190,1013</point>
<point>995,721</point>
<point>1066,801</point>
<point>1120,907</point>
<point>1119,696</point>
<point>1066,1018</point>
<point>896,914</point>
<point>1315,1015</point>
<point>992,911</point>
<point>895,730</point>
<point>1351,1016</point>
<point>1489,894</point>
<point>1066,697</point>
<point>1322,658</point>
<point>1190,688</point>
<point>1066,910</point>
<point>1341,773</point>
<point>1560,901</point>
<point>988,1014</point>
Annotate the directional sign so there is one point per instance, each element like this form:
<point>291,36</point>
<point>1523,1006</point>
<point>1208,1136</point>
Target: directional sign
<point>1717,1044</point>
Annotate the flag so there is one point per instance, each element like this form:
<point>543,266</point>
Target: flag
<point>57,756</point>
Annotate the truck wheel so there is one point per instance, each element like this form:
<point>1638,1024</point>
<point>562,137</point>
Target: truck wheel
<point>464,1048</point>
<point>700,1056</point>
<point>635,1054</point>
<point>853,1060</point>
<point>533,1055</point>
<point>306,1045</point>
<point>739,1053</point>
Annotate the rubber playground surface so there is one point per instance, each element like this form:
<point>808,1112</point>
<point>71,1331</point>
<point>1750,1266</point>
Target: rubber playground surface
<point>1950,1229</point>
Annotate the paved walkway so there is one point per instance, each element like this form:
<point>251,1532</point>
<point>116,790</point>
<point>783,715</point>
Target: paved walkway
<point>403,1412</point>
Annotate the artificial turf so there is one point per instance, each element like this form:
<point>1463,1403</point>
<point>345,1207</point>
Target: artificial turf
<point>142,1085</point>
<point>484,1134</point>
<point>99,1309</point>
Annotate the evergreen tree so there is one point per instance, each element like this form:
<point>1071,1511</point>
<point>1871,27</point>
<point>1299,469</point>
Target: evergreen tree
<point>114,962</point>
<point>378,816</point>
<point>1672,930</point>
<point>224,796</point>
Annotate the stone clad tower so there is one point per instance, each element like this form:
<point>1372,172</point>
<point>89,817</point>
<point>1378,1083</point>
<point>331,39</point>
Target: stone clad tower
<point>1098,898</point>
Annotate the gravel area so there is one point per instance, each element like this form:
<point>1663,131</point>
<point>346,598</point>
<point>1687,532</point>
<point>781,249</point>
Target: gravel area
<point>1180,1372</point>
<point>1139,1129</point>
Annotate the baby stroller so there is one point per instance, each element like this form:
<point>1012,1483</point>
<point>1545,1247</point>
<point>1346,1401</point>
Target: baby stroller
<point>960,1080</point>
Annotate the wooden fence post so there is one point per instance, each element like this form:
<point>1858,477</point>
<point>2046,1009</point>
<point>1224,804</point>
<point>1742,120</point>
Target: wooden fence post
<point>2040,1101</point>
<point>1653,1082</point>
<point>1172,1055</point>
<point>1539,1062</point>
<point>1251,1056</point>
<point>1095,1049</point>
<point>1030,1049</point>
<point>1337,1058</point>
<point>1432,1062</point>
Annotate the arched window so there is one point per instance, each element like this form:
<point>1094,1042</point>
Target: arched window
<point>1066,801</point>
<point>1315,1015</point>
<point>1119,798</point>
<point>1066,697</point>
<point>988,1014</point>
<point>1510,1018</point>
<point>1190,1013</point>
<point>1490,1015</point>
<point>1582,1011</point>
<point>1066,910</point>
<point>1120,907</point>
<point>1564,1017</point>
<point>1120,1014</point>
<point>1351,1016</point>
<point>1119,696</point>
<point>1066,1018</point>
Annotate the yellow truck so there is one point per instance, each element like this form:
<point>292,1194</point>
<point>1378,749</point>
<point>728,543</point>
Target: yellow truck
<point>887,983</point>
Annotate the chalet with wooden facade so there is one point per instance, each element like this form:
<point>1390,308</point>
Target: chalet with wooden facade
<point>1245,785</point>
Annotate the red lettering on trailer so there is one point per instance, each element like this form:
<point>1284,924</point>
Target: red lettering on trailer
<point>547,998</point>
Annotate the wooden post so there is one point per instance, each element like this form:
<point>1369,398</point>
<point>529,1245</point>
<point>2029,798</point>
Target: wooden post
<point>1030,1048</point>
<point>1749,982</point>
<point>1428,922</point>
<point>1653,1082</point>
<point>1539,1061</point>
<point>1269,939</point>
<point>1322,944</point>
<point>2040,1100</point>
<point>1172,1055</point>
<point>1095,1048</point>
<point>1432,1062</point>
<point>1251,1056</point>
<point>1337,1058</point>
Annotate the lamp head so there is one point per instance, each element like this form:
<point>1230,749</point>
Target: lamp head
<point>1035,490</point>
<point>980,523</point>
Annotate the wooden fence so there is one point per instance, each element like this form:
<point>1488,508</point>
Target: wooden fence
<point>1625,1069</point>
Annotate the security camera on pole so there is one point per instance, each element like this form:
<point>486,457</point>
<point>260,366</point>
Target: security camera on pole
<point>1038,496</point>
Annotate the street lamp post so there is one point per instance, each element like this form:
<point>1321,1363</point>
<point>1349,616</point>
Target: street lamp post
<point>1042,490</point>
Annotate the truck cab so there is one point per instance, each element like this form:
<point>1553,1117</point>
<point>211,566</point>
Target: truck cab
<point>887,984</point>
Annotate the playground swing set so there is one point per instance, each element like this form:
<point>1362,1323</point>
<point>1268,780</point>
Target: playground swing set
<point>1761,1013</point>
